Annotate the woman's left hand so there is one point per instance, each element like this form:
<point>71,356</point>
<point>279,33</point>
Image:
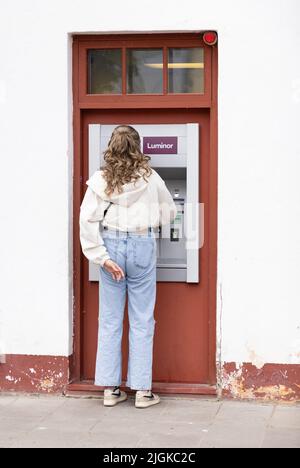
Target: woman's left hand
<point>114,269</point>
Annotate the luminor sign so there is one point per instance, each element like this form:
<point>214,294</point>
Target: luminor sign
<point>160,145</point>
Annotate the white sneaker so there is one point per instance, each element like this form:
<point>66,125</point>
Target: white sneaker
<point>113,396</point>
<point>145,398</point>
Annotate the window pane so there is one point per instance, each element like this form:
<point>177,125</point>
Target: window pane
<point>144,71</point>
<point>105,71</point>
<point>186,70</point>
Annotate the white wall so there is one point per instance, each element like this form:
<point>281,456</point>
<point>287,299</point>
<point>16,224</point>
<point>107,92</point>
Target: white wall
<point>259,201</point>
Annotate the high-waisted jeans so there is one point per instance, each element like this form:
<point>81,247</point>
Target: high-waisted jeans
<point>136,255</point>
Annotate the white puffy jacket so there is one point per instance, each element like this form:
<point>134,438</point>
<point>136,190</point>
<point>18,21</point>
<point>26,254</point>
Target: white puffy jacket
<point>142,204</point>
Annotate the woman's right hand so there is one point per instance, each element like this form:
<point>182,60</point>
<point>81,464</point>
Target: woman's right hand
<point>113,268</point>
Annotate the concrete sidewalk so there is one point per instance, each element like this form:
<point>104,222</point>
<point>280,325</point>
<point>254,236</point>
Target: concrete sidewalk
<point>54,421</point>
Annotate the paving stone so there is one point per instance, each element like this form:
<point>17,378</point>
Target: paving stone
<point>172,434</point>
<point>191,411</point>
<point>8,438</point>
<point>282,438</point>
<point>18,424</point>
<point>233,434</point>
<point>30,421</point>
<point>108,439</point>
<point>6,400</point>
<point>106,433</point>
<point>79,409</point>
<point>243,411</point>
<point>48,439</point>
<point>32,407</point>
<point>286,417</point>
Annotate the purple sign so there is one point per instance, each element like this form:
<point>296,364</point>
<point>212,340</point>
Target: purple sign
<point>160,145</point>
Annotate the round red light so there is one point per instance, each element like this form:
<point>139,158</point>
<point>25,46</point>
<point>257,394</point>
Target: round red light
<point>210,38</point>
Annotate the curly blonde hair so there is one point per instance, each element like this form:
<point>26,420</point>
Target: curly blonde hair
<point>124,160</point>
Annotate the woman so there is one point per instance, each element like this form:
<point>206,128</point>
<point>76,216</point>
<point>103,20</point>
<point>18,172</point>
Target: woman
<point>129,199</point>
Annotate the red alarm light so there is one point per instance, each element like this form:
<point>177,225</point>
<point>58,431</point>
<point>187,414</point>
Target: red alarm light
<point>210,38</point>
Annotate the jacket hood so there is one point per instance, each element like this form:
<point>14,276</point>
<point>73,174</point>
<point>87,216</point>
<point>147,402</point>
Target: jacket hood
<point>131,191</point>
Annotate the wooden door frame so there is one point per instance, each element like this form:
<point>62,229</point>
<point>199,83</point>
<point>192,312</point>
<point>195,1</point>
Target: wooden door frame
<point>78,190</point>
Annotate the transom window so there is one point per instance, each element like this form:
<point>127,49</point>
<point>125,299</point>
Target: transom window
<point>143,70</point>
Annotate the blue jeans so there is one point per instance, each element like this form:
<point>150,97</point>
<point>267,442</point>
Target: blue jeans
<point>136,255</point>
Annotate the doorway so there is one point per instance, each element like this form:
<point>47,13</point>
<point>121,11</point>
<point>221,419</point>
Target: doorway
<point>184,342</point>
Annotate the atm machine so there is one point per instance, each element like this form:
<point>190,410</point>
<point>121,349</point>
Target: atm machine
<point>174,152</point>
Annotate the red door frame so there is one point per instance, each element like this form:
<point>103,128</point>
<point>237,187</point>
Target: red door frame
<point>81,101</point>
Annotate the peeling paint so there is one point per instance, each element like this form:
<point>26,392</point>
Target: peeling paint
<point>42,374</point>
<point>276,392</point>
<point>47,384</point>
<point>284,374</point>
<point>269,382</point>
<point>9,378</point>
